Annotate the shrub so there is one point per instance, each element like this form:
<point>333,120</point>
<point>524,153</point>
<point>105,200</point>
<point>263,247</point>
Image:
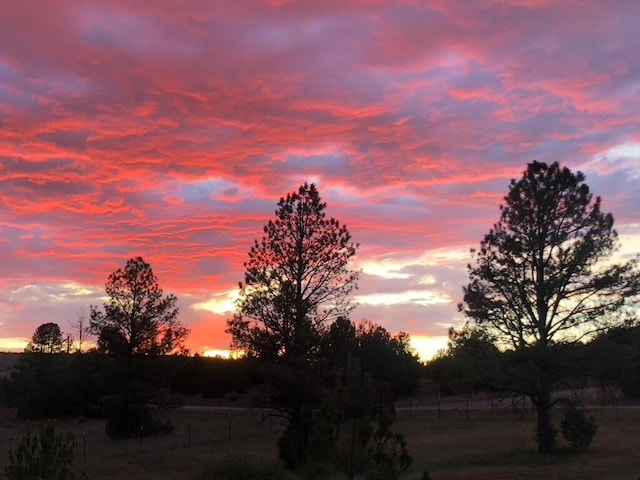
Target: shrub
<point>576,428</point>
<point>245,468</point>
<point>44,455</point>
<point>136,420</point>
<point>388,453</point>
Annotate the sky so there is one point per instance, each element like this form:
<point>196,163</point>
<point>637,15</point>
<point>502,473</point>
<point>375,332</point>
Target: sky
<point>170,129</point>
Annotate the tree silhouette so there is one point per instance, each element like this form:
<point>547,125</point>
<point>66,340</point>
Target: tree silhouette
<point>42,455</point>
<point>297,279</point>
<point>81,328</point>
<point>138,319</point>
<point>543,278</point>
<point>339,343</point>
<point>137,323</point>
<point>47,338</point>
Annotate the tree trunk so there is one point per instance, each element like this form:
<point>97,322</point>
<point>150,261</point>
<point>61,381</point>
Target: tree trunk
<point>293,443</point>
<point>545,434</point>
<point>352,450</point>
<point>296,454</point>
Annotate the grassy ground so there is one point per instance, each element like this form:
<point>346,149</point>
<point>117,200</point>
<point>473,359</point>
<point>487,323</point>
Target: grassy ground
<point>197,439</point>
<point>497,446</point>
<point>480,445</point>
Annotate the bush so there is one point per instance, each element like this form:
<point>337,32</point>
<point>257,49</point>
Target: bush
<point>44,455</point>
<point>388,453</point>
<point>576,428</point>
<point>245,468</point>
<point>136,420</point>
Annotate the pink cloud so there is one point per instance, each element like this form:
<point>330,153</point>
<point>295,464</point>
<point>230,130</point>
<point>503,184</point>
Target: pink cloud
<point>170,130</point>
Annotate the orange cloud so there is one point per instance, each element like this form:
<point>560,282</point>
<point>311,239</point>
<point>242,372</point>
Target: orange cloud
<point>170,130</point>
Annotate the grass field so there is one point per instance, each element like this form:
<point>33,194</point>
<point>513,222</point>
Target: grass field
<point>480,445</point>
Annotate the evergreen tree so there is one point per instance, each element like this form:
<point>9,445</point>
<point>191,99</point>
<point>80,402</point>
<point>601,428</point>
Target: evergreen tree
<point>543,278</point>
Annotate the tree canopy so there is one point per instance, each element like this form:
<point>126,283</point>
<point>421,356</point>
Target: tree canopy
<point>47,338</point>
<point>389,359</point>
<point>543,273</point>
<point>138,319</point>
<point>297,279</point>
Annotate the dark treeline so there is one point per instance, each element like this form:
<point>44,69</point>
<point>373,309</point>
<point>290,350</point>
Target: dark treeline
<point>61,384</point>
<point>44,385</point>
<point>609,365</point>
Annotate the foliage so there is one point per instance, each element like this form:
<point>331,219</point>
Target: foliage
<point>470,363</point>
<point>576,428</point>
<point>92,385</point>
<point>471,341</point>
<point>388,451</point>
<point>613,359</point>
<point>244,468</point>
<point>542,276</point>
<point>140,397</point>
<point>349,434</point>
<point>47,338</point>
<point>45,386</point>
<point>388,358</point>
<point>136,420</point>
<point>297,279</point>
<point>137,325</point>
<point>42,456</point>
<point>342,425</point>
<point>213,377</point>
<point>138,319</point>
<point>339,343</point>
<point>112,342</point>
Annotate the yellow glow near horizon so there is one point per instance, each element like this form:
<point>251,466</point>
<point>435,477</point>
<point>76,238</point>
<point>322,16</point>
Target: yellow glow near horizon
<point>629,244</point>
<point>13,344</point>
<point>216,352</point>
<point>427,346</point>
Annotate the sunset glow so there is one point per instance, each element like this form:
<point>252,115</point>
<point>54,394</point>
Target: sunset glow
<point>170,129</point>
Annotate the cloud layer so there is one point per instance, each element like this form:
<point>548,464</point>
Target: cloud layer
<point>170,129</point>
